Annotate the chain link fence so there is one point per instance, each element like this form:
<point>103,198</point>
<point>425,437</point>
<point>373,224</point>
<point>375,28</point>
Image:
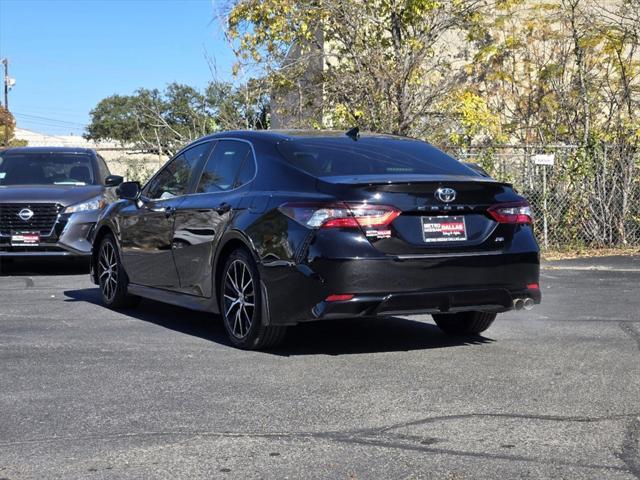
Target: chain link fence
<point>576,202</point>
<point>574,205</point>
<point>132,164</point>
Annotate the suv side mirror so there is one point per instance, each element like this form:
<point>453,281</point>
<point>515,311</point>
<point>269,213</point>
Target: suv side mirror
<point>113,181</point>
<point>128,190</point>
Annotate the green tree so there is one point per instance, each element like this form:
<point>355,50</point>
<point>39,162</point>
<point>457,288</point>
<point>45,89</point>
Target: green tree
<point>384,64</point>
<point>6,118</point>
<point>114,118</point>
<point>164,121</point>
<point>568,72</point>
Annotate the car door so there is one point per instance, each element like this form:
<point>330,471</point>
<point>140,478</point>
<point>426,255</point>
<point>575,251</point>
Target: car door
<point>202,218</point>
<point>147,227</point>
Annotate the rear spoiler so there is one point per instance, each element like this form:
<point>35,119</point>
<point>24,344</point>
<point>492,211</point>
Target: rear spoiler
<point>477,168</point>
<point>406,179</point>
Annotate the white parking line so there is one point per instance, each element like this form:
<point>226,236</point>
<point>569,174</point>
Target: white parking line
<point>592,268</point>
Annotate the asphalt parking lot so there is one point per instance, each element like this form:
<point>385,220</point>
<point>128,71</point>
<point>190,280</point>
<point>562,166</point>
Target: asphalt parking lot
<point>157,392</point>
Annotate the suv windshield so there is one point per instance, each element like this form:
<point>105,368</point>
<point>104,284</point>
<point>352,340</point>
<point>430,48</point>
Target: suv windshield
<point>46,169</point>
<point>337,156</point>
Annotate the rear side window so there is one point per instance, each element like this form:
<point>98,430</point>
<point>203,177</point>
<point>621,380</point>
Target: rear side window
<point>337,156</point>
<point>229,166</point>
<point>247,171</point>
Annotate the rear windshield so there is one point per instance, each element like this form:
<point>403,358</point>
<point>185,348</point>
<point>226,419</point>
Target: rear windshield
<point>46,169</point>
<point>323,157</point>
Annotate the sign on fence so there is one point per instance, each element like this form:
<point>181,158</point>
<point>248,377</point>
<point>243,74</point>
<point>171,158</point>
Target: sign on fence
<point>544,159</point>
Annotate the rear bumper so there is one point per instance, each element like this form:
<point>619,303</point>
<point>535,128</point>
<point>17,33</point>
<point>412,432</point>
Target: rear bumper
<point>428,302</point>
<point>399,285</point>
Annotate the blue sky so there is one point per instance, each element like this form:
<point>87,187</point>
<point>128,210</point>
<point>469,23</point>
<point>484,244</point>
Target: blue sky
<point>66,55</point>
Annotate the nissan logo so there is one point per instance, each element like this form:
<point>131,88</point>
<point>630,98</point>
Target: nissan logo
<point>446,194</point>
<point>25,214</point>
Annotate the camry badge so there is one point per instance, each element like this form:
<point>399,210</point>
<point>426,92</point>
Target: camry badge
<point>446,194</point>
<point>25,214</point>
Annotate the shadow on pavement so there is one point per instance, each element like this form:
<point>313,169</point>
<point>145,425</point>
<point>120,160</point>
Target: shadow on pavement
<point>44,266</point>
<point>329,337</point>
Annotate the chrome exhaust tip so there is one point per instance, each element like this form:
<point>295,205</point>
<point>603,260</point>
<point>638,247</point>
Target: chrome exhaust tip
<point>518,304</point>
<point>528,303</point>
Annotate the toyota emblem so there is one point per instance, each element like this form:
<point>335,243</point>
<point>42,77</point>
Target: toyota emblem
<point>446,194</point>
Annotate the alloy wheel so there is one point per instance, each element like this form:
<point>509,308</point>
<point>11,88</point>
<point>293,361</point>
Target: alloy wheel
<point>108,270</point>
<point>239,298</point>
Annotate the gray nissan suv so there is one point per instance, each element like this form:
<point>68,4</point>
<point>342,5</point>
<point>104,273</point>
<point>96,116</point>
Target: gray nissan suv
<point>50,200</point>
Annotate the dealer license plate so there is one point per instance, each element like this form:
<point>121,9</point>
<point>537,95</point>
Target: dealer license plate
<point>444,229</point>
<point>25,239</point>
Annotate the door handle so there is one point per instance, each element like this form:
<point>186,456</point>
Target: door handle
<point>223,208</point>
<point>156,208</point>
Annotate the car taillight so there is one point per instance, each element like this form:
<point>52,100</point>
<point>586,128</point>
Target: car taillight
<point>343,297</point>
<point>340,215</point>
<point>519,213</point>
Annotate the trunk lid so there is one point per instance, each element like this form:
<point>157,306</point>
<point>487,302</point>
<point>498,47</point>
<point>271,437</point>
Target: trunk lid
<point>429,223</point>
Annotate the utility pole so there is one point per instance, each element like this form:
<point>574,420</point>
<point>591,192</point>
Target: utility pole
<point>5,62</point>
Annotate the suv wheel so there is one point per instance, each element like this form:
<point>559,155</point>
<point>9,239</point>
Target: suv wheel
<point>464,323</point>
<point>241,305</point>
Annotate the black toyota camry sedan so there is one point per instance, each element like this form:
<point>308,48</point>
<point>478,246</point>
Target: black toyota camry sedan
<point>270,229</point>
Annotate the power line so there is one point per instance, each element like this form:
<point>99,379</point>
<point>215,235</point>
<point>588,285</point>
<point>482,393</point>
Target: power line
<point>49,119</point>
<point>38,109</point>
<point>34,118</point>
<point>57,128</point>
<point>29,124</point>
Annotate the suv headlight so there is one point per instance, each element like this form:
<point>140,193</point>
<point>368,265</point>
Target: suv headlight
<point>93,204</point>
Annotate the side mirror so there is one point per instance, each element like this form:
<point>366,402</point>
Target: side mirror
<point>128,190</point>
<point>113,181</point>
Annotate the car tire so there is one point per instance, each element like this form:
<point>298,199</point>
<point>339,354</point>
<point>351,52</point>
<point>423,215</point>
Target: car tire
<point>241,305</point>
<point>464,323</point>
<point>112,279</point>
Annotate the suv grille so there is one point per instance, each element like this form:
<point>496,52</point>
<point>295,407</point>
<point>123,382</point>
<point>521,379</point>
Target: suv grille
<point>43,219</point>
